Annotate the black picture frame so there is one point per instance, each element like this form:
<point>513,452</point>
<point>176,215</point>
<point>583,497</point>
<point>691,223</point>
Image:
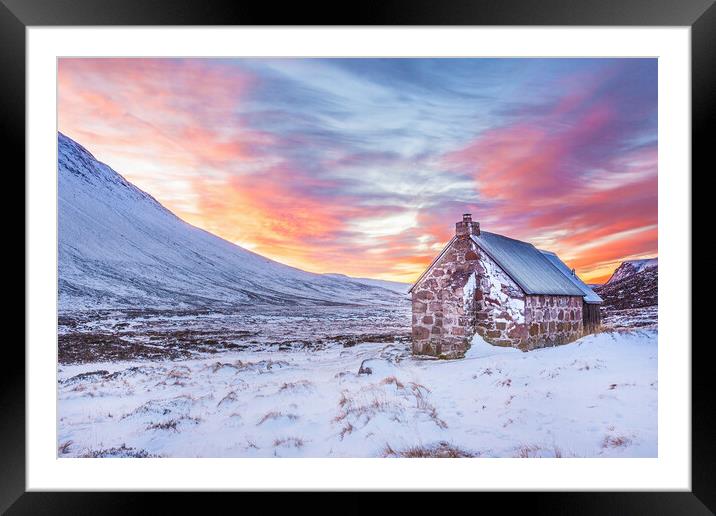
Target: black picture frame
<point>17,15</point>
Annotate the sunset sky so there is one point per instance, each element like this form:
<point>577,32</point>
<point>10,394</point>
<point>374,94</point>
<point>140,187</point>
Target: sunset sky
<point>362,166</point>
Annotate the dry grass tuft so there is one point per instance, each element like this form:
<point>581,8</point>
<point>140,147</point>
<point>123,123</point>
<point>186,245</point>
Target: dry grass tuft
<point>229,398</point>
<point>64,448</point>
<point>422,404</point>
<point>295,442</point>
<point>295,386</point>
<point>165,425</point>
<point>418,388</point>
<point>392,380</point>
<point>179,372</point>
<point>344,399</point>
<point>357,409</point>
<point>441,450</point>
<point>274,414</point>
<point>527,451</point>
<point>347,429</point>
<point>530,451</point>
<point>118,452</point>
<point>618,441</point>
<point>220,365</point>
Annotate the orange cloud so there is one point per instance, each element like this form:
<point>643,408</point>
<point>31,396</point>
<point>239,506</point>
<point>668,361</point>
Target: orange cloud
<point>565,174</point>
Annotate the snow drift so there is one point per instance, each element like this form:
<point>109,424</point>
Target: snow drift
<point>596,397</point>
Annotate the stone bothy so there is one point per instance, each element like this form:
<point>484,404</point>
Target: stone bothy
<point>507,291</point>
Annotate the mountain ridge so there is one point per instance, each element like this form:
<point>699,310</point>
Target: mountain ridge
<point>118,247</point>
<point>635,287</point>
<point>630,267</point>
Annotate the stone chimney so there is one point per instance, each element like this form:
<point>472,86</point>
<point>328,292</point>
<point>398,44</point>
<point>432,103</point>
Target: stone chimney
<point>467,226</point>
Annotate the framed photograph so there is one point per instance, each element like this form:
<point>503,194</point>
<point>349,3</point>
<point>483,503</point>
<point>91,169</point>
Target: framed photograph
<point>432,248</point>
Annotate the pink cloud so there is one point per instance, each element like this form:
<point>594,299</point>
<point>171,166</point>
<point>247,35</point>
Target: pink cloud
<point>568,178</point>
<point>564,174</point>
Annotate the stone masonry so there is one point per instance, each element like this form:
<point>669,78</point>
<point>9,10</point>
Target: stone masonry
<point>552,320</point>
<point>499,305</point>
<point>442,320</point>
<point>465,292</point>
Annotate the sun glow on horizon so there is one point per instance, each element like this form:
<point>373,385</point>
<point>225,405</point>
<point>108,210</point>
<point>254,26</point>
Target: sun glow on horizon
<point>362,166</point>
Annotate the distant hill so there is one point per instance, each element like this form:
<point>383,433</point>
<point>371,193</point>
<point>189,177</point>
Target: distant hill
<point>632,267</point>
<point>634,284</point>
<point>401,288</point>
<point>120,248</point>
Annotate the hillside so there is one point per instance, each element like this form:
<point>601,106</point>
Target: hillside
<point>120,248</point>
<point>634,290</point>
<point>631,267</point>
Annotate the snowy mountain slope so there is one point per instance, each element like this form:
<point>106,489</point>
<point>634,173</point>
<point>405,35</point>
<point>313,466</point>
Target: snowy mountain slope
<point>632,267</point>
<point>634,290</point>
<point>120,248</point>
<point>401,288</point>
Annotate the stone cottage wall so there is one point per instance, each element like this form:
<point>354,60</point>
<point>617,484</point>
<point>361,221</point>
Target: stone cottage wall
<point>552,320</point>
<point>499,305</point>
<point>442,320</point>
<point>466,292</point>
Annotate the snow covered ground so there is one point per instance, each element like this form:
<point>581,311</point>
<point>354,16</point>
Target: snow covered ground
<point>631,318</point>
<point>596,397</point>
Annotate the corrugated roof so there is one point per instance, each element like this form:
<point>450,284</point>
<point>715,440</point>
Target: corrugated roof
<point>526,265</point>
<point>589,295</point>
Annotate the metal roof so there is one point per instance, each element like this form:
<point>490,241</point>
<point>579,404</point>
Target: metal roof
<point>526,265</point>
<point>589,295</point>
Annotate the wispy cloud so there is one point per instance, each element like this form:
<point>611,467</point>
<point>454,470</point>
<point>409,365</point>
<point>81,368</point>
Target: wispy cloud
<point>361,166</point>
